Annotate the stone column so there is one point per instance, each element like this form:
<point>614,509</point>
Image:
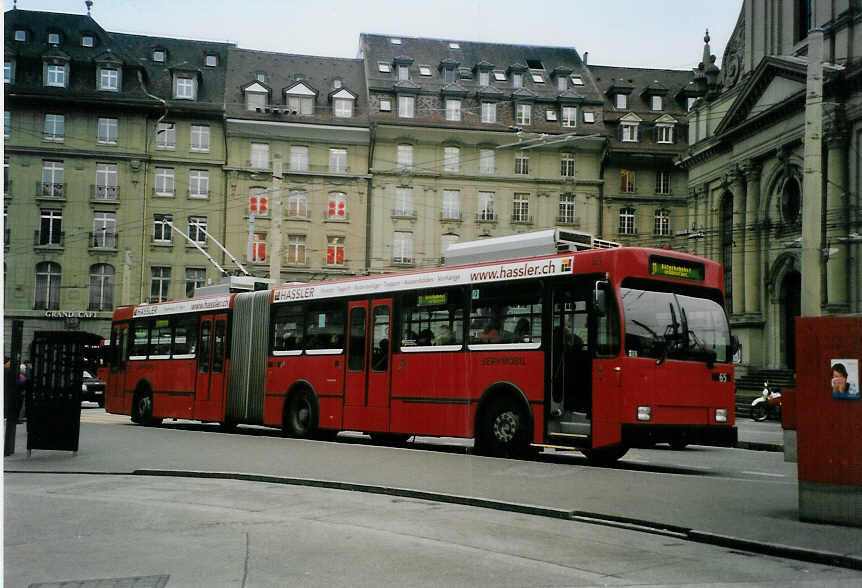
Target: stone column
<point>752,237</point>
<point>737,187</point>
<point>836,218</point>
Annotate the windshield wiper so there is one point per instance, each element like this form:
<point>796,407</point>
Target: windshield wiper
<point>694,344</point>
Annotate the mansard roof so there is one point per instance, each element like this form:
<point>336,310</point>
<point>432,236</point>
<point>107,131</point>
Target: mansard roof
<point>641,83</point>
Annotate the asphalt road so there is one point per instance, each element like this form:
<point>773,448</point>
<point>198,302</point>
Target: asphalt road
<point>408,536</point>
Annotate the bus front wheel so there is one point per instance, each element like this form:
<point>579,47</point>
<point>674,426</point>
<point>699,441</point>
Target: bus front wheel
<point>605,455</point>
<point>503,430</point>
<point>142,410</point>
<point>300,419</point>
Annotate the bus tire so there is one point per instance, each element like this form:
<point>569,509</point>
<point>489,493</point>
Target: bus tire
<point>604,456</point>
<point>227,427</point>
<point>503,429</point>
<point>142,409</point>
<point>300,415</point>
<point>390,439</point>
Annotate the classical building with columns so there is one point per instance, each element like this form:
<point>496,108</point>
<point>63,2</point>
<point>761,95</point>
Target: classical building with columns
<point>746,200</point>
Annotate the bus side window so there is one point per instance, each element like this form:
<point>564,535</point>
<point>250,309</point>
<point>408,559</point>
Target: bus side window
<point>608,327</point>
<point>506,313</point>
<point>204,347</point>
<point>140,343</point>
<point>380,339</point>
<point>186,337</point>
<point>432,318</point>
<point>325,327</point>
<point>218,346</point>
<point>160,338</point>
<point>287,328</point>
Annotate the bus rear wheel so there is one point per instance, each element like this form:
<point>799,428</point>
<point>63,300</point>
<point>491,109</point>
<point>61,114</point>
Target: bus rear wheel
<point>142,410</point>
<point>300,419</point>
<point>503,430</point>
<point>605,455</point>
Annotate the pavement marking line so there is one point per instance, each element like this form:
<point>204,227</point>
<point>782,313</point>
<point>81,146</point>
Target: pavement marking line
<point>767,474</point>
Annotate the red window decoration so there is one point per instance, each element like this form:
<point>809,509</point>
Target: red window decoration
<point>337,208</point>
<point>335,251</point>
<point>258,248</point>
<point>258,204</point>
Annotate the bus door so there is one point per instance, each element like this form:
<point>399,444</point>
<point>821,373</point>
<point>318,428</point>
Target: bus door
<point>210,376</point>
<point>116,379</point>
<point>570,364</point>
<point>366,397</point>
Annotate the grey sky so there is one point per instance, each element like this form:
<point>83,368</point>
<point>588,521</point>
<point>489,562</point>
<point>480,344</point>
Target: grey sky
<point>637,33</point>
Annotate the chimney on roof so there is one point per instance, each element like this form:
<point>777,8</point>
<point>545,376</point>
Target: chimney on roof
<point>586,56</point>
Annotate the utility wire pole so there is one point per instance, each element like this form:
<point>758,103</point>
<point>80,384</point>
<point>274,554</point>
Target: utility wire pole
<point>275,233</point>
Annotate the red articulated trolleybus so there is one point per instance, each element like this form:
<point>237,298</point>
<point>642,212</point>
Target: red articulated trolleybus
<point>598,350</point>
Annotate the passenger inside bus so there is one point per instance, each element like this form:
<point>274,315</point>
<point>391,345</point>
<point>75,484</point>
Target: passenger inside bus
<point>380,356</point>
<point>491,332</point>
<point>447,337</point>
<point>522,331</point>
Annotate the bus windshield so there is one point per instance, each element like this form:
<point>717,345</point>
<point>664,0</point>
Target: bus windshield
<point>666,325</point>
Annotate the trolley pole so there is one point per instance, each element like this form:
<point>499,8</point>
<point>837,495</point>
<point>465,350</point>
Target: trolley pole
<point>275,233</point>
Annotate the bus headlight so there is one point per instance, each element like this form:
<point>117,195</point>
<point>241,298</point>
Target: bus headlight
<point>721,415</point>
<point>644,413</point>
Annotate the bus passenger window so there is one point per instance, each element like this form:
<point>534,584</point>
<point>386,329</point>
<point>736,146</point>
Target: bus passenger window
<point>356,355</point>
<point>508,314</point>
<point>218,346</point>
<point>140,341</point>
<point>186,338</point>
<point>324,329</point>
<point>204,347</point>
<point>380,339</point>
<point>432,318</point>
<point>608,329</point>
<point>160,339</point>
<point>287,330</point>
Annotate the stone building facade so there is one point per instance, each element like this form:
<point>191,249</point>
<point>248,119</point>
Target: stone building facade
<point>747,192</point>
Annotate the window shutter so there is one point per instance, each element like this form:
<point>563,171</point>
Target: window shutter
<point>620,131</point>
<point>655,135</point>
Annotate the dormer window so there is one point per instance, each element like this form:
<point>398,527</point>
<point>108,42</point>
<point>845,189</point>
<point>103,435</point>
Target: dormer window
<point>424,70</point>
<point>577,81</point>
<point>300,98</point>
<point>56,75</point>
<point>21,36</point>
<point>449,75</point>
<point>395,41</point>
<point>211,60</point>
<point>337,84</point>
<point>562,83</point>
<point>384,67</point>
<point>342,103</point>
<point>403,73</point>
<point>484,78</point>
<point>255,97</point>
<point>629,132</point>
<point>185,87</point>
<point>689,102</point>
<point>53,38</point>
<point>260,76</point>
<point>589,117</point>
<point>517,80</point>
<point>620,101</point>
<point>87,41</point>
<point>655,103</point>
<point>159,55</point>
<point>537,77</point>
<point>109,79</point>
<point>454,45</point>
<point>500,76</point>
<point>664,133</point>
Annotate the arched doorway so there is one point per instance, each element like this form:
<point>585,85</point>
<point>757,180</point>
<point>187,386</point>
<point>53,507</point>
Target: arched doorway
<point>791,307</point>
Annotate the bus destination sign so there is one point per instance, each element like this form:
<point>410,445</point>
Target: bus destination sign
<point>668,267</point>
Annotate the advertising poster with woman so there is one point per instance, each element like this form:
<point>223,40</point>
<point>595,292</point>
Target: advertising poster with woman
<point>844,378</point>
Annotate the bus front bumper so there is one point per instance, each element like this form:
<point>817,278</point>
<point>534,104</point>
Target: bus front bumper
<point>644,435</point>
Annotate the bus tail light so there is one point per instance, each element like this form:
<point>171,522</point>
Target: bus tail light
<point>644,413</point>
<point>721,415</point>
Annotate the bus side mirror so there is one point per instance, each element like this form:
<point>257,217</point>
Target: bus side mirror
<point>600,299</point>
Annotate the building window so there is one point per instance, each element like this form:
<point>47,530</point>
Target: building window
<point>550,115</point>
<point>662,222</point>
<point>537,77</point>
<point>195,278</point>
<point>522,164</point>
<point>517,80</point>
<point>452,159</point>
<point>160,283</point>
<point>303,105</point>
<point>403,73</point>
<point>258,248</point>
<point>298,158</point>
<point>297,204</point>
<point>197,229</point>
<point>255,100</point>
<point>338,161</point>
<point>259,156</point>
<point>424,70</point>
<point>523,113</point>
<point>343,107</point>
<point>200,138</point>
<point>162,228</point>
<point>296,249</point>
<point>489,112</point>
<point>562,83</point>
<point>211,60</point>
<point>104,230</point>
<point>453,110</point>
<point>53,38</point>
<point>384,67</point>
<point>185,88</point>
<point>159,55</point>
<point>629,132</point>
<point>402,247</point>
<point>107,181</point>
<point>521,208</point>
<point>166,136</point>
<point>451,205</point>
<point>486,210</point>
<point>662,182</point>
<point>55,128</point>
<point>484,78</point>
<point>87,41</point>
<point>570,116</point>
<point>164,181</point>
<point>334,250</point>
<point>689,102</point>
<point>406,106</point>
<point>404,160</point>
<point>8,72</point>
<point>337,206</point>
<point>403,202</point>
<point>627,181</point>
<point>260,76</point>
<point>589,117</point>
<point>567,209</point>
<point>20,36</point>
<point>449,75</point>
<point>385,105</point>
<point>620,101</point>
<point>627,221</point>
<point>47,286</point>
<point>109,79</point>
<point>487,164</point>
<point>199,183</point>
<point>577,81</point>
<point>108,131</point>
<point>567,165</point>
<point>664,134</point>
<point>50,226</point>
<point>258,202</point>
<point>101,287</point>
<point>53,183</point>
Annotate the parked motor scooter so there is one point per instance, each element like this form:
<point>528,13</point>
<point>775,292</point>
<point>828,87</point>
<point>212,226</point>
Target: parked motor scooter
<point>767,405</point>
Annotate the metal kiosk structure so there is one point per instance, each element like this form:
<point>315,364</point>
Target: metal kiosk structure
<point>54,395</point>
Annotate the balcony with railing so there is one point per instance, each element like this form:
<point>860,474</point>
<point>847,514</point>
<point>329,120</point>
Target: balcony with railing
<point>404,212</point>
<point>199,195</point>
<point>49,240</point>
<point>104,193</point>
<point>486,216</point>
<point>103,240</point>
<point>520,218</point>
<point>51,190</point>
<point>450,216</point>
